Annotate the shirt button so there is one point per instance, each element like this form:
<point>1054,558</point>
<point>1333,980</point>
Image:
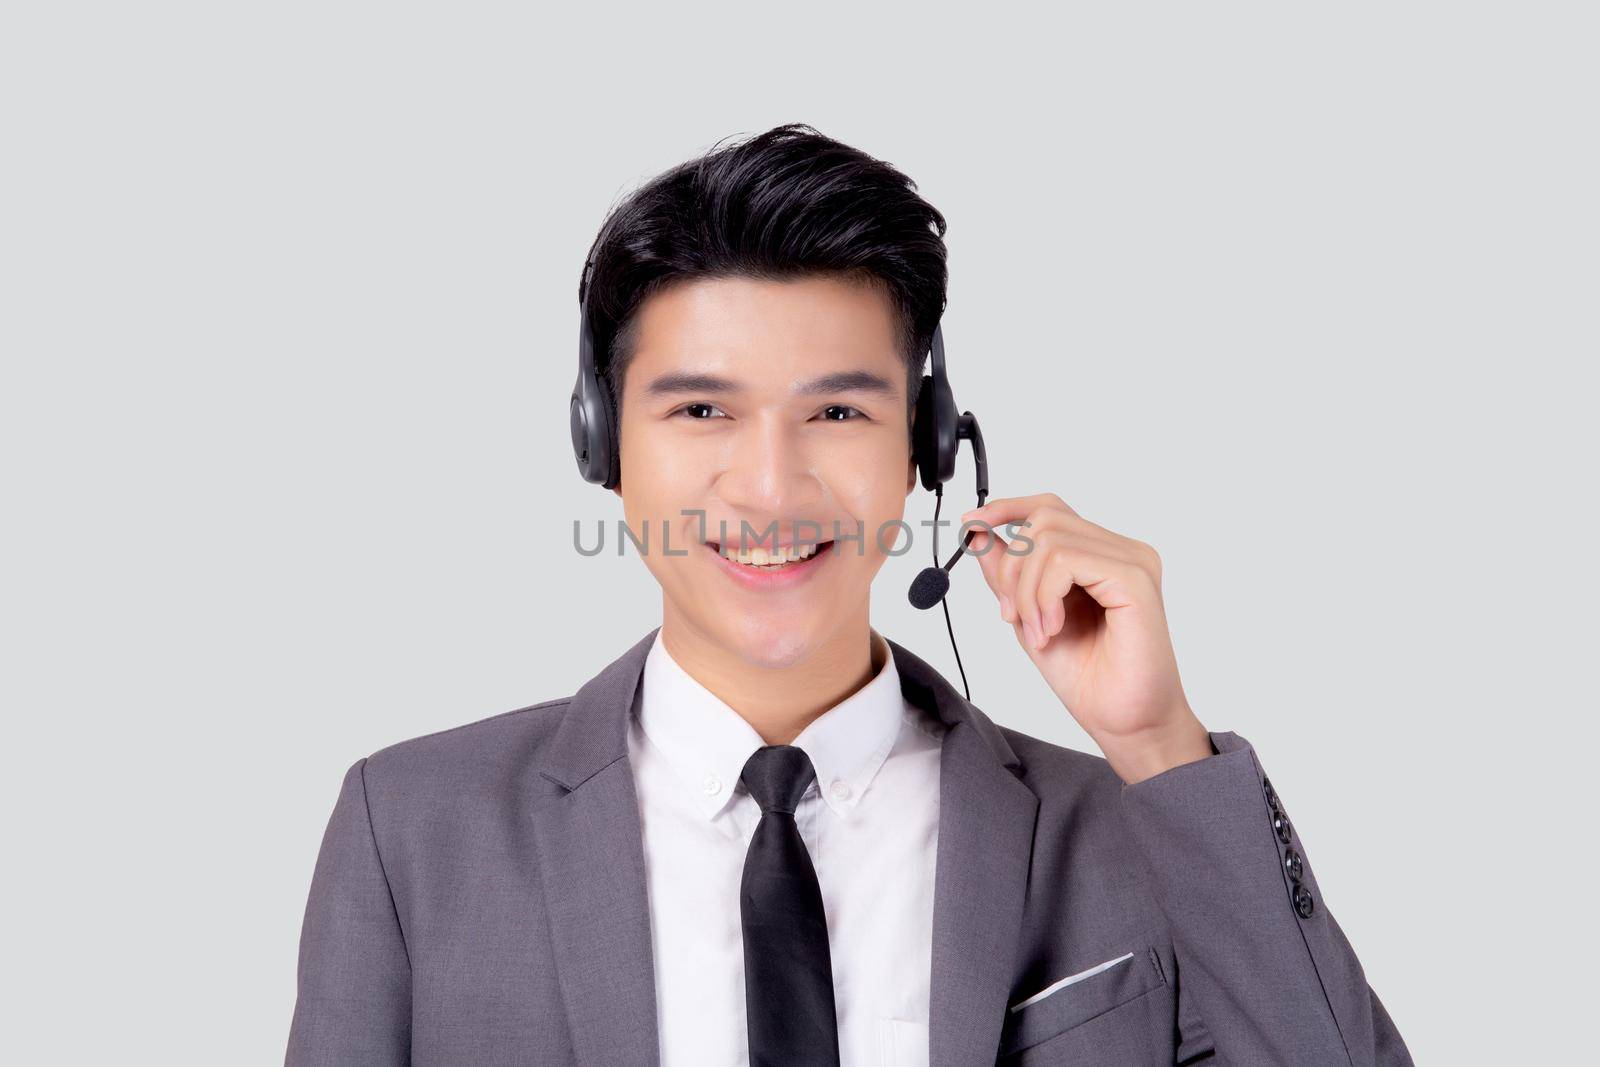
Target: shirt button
<point>713,785</point>
<point>840,789</point>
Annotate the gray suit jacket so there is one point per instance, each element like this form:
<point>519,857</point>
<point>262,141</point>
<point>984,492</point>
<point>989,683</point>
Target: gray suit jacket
<point>480,899</point>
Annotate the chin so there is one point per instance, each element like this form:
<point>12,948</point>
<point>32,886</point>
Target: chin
<point>774,643</point>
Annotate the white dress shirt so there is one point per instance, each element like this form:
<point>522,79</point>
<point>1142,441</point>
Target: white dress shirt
<point>870,822</point>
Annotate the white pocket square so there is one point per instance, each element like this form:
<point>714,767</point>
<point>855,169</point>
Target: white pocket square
<point>1069,980</point>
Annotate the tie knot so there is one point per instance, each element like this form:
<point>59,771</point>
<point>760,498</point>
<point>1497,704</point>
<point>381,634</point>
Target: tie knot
<point>777,776</point>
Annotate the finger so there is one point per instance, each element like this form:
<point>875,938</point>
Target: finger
<point>1002,510</point>
<point>1054,582</point>
<point>1056,518</point>
<point>1031,605</point>
<point>1111,582</point>
<point>1025,592</point>
<point>1118,545</point>
<point>1017,552</point>
<point>989,549</point>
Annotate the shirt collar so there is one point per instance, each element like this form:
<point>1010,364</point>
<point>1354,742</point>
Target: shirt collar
<point>707,743</point>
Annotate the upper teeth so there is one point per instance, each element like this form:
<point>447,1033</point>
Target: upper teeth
<point>762,557</point>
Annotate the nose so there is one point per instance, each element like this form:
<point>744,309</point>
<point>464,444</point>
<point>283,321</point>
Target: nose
<point>769,473</point>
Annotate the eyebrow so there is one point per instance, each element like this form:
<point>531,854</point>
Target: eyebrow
<point>860,381</point>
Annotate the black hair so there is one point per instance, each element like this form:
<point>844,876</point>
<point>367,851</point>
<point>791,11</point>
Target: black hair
<point>781,205</point>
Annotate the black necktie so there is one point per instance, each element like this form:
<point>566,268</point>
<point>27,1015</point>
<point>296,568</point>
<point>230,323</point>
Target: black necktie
<point>788,974</point>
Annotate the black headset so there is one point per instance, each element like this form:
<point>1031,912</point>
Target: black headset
<point>936,436</point>
<point>594,421</point>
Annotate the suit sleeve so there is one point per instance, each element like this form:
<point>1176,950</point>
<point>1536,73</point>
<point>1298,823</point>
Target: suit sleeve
<point>353,1003</point>
<point>1261,960</point>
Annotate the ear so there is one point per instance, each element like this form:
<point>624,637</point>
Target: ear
<point>911,476</point>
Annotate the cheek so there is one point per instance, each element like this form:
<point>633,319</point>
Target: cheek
<point>656,490</point>
<point>875,494</point>
<point>658,478</point>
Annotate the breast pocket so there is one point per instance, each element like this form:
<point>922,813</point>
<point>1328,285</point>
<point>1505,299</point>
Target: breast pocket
<point>1078,998</point>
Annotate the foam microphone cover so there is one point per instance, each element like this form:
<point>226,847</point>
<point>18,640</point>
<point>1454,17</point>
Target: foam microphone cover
<point>930,587</point>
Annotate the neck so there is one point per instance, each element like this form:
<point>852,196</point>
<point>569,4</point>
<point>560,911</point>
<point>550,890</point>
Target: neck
<point>779,702</point>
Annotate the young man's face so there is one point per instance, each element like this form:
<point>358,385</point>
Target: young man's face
<point>759,436</point>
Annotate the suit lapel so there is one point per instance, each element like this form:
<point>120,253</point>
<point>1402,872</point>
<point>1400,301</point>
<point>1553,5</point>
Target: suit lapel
<point>986,824</point>
<point>591,860</point>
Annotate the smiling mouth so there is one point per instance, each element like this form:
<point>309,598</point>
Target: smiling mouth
<point>763,559</point>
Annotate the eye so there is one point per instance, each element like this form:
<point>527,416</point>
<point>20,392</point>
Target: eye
<point>697,410</point>
<point>831,413</point>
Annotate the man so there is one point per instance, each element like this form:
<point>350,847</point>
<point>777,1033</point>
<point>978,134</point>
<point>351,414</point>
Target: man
<point>765,833</point>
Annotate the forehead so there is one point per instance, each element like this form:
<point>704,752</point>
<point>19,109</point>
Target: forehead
<point>727,323</point>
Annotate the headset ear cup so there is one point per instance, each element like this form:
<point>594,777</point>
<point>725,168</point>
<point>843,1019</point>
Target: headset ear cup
<point>591,417</point>
<point>579,428</point>
<point>592,436</point>
<point>581,417</point>
<point>934,436</point>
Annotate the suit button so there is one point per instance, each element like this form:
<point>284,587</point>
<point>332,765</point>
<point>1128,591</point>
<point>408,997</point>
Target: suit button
<point>1294,864</point>
<point>1280,823</point>
<point>1303,902</point>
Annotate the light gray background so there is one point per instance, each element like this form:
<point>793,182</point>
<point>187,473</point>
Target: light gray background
<point>1303,296</point>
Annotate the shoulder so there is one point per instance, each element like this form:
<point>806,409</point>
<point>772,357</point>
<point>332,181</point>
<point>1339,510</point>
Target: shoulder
<point>474,760</point>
